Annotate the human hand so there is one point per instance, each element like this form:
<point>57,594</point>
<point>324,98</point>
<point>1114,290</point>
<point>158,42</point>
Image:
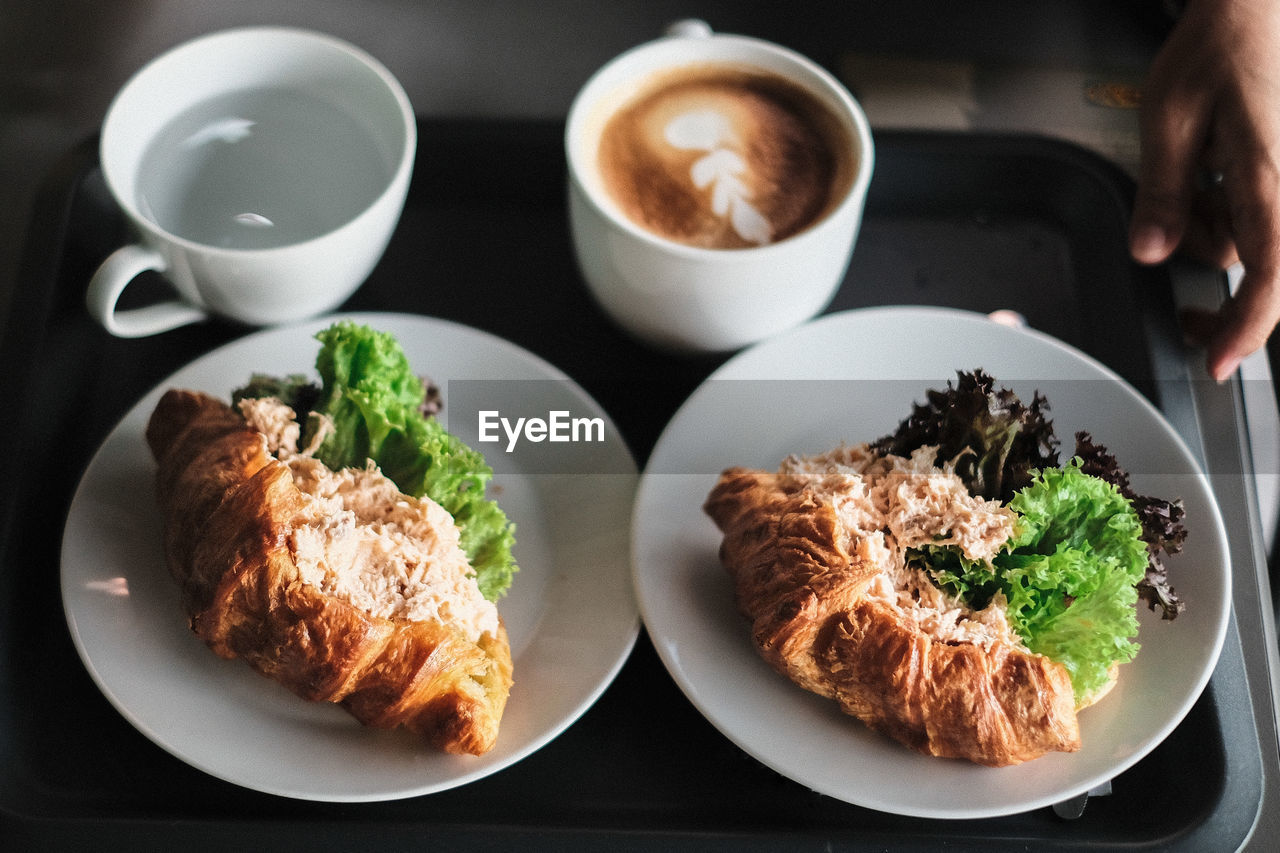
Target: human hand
<point>1211,107</point>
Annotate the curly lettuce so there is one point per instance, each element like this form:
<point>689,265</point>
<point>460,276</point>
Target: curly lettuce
<point>1086,546</point>
<point>1071,571</point>
<point>997,444</point>
<point>993,439</point>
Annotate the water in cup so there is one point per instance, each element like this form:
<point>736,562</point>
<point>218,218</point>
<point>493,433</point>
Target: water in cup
<point>259,169</point>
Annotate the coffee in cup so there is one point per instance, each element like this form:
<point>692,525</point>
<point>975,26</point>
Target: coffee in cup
<point>725,157</point>
<point>716,187</point>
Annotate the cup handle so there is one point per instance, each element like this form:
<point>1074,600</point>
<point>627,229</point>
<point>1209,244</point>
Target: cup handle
<point>120,268</point>
<point>688,28</point>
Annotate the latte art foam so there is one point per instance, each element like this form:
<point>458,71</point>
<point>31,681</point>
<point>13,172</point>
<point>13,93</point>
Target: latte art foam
<point>725,158</point>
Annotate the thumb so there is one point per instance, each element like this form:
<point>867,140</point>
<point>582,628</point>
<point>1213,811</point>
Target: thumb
<point>1173,129</point>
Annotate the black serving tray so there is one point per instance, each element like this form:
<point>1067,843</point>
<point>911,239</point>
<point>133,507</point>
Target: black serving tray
<point>977,222</point>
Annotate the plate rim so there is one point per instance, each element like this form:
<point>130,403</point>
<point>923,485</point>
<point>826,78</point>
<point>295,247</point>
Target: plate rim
<point>917,313</point>
<point>625,631</point>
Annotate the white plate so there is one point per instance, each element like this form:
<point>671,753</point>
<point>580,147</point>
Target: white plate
<point>853,377</point>
<point>570,612</point>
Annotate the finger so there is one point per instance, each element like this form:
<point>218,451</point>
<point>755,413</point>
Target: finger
<point>1199,325</point>
<point>1252,187</point>
<point>1172,139</point>
<point>1244,323</point>
<point>1209,237</point>
<point>1242,328</point>
<point>1210,245</point>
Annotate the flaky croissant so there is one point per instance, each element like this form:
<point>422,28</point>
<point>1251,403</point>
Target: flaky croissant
<point>830,611</point>
<point>248,549</point>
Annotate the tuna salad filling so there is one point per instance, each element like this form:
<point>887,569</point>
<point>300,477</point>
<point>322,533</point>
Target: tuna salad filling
<point>888,505</point>
<point>368,544</point>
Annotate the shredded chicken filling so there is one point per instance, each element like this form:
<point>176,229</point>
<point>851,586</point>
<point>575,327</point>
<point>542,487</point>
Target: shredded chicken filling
<point>887,505</point>
<point>366,543</point>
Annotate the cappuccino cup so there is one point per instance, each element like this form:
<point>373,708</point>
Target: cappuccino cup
<point>716,188</point>
<point>262,171</point>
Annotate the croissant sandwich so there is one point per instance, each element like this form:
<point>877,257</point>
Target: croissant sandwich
<point>951,585</point>
<point>335,577</point>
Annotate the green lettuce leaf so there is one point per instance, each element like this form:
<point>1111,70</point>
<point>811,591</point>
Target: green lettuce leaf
<point>996,443</point>
<point>376,404</point>
<point>1071,570</point>
<point>1068,573</point>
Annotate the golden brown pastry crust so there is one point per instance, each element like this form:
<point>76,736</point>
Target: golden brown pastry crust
<point>803,585</point>
<point>228,508</point>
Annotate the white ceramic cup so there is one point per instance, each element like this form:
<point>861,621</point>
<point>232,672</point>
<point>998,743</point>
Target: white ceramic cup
<point>694,299</point>
<point>313,272</point>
